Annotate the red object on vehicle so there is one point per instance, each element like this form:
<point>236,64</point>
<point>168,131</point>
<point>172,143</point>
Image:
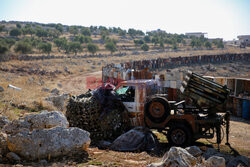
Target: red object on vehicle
<point>106,86</point>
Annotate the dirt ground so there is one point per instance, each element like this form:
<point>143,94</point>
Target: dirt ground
<point>80,83</point>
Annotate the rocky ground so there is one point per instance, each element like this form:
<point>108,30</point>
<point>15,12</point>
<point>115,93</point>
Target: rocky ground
<point>230,69</point>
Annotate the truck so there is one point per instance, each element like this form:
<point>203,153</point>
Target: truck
<point>107,111</point>
<point>201,114</point>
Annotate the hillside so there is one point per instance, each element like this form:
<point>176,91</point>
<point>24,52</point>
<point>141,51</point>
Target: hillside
<point>57,39</point>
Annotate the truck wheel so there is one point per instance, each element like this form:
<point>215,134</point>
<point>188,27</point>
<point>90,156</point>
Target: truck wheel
<point>179,135</point>
<point>157,110</point>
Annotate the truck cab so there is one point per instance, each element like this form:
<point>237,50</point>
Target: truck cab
<point>134,94</point>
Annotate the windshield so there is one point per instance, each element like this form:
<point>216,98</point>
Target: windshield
<point>122,90</point>
<point>127,93</point>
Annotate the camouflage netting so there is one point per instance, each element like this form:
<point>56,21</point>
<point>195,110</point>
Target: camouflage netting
<point>87,112</point>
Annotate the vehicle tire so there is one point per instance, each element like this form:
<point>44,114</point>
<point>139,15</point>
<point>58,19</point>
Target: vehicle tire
<point>157,110</point>
<point>179,135</point>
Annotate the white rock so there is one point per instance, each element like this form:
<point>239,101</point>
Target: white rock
<point>176,156</point>
<point>44,143</point>
<point>42,120</point>
<point>47,120</point>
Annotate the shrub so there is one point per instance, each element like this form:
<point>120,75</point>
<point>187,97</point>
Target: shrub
<point>92,48</point>
<point>111,47</point>
<point>74,47</point>
<point>45,47</point>
<point>15,32</point>
<point>23,47</point>
<point>3,47</point>
<point>144,47</point>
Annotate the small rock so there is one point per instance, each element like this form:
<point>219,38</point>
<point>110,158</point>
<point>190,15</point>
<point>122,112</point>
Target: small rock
<point>30,80</point>
<point>43,162</point>
<point>45,89</point>
<point>3,121</point>
<point>59,85</point>
<point>13,157</point>
<point>55,91</point>
<point>58,101</point>
<point>209,152</point>
<point>3,144</point>
<point>194,150</point>
<point>104,144</point>
<point>215,161</point>
<point>66,70</point>
<point>1,89</point>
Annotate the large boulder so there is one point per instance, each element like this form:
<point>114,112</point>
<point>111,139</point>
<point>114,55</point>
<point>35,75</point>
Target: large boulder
<point>44,143</point>
<point>43,120</point>
<point>137,139</point>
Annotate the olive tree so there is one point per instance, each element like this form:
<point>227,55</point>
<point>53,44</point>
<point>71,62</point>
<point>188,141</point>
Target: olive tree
<point>45,47</point>
<point>75,47</point>
<point>23,47</point>
<point>92,48</point>
<point>15,32</point>
<point>111,47</point>
<point>144,47</point>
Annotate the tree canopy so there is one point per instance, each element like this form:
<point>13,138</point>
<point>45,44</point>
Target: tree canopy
<point>15,32</point>
<point>111,47</point>
<point>92,48</point>
<point>144,47</point>
<point>86,31</point>
<point>75,47</point>
<point>45,47</point>
<point>23,47</point>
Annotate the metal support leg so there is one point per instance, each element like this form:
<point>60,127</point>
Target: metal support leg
<point>227,118</point>
<point>218,135</point>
